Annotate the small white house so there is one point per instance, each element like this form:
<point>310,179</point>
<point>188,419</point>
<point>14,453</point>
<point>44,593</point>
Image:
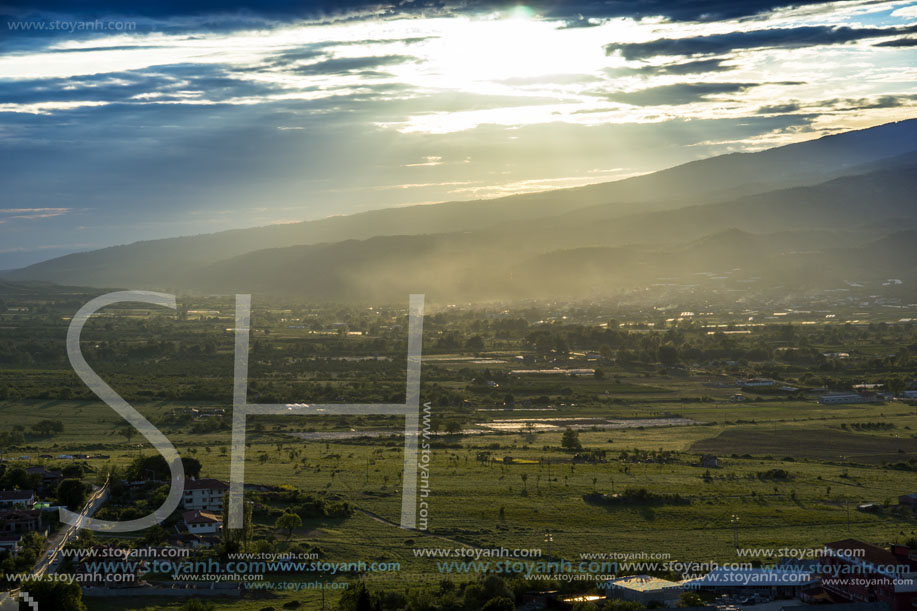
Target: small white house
<point>202,523</point>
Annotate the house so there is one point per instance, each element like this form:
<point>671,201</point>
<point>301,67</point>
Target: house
<point>709,461</point>
<point>908,500</point>
<point>860,572</point>
<point>756,383</point>
<point>212,411</point>
<point>204,494</point>
<point>48,477</point>
<point>19,521</point>
<point>202,522</point>
<point>10,543</point>
<point>737,398</point>
<point>643,589</point>
<point>16,498</point>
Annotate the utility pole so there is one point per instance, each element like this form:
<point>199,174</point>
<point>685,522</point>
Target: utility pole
<point>847,503</point>
<point>735,530</point>
<point>548,538</point>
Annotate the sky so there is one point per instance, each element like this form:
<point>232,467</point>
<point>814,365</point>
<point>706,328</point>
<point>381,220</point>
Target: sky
<point>130,121</point>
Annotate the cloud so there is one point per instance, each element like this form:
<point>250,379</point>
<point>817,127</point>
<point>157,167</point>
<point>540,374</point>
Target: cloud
<point>575,11</point>
<point>345,65</point>
<point>899,42</point>
<point>692,67</point>
<point>676,95</point>
<point>779,109</point>
<point>885,101</point>
<point>840,104</point>
<point>177,83</point>
<point>30,214</point>
<point>719,44</point>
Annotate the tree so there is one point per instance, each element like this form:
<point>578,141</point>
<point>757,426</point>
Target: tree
<point>358,598</point>
<point>192,467</point>
<point>667,355</point>
<point>16,478</point>
<point>500,603</point>
<point>288,521</point>
<point>128,431</point>
<point>236,540</point>
<point>474,344</point>
<point>73,471</point>
<point>48,427</point>
<point>690,599</point>
<point>570,441</point>
<point>72,493</point>
<point>56,595</point>
<point>196,604</point>
<point>453,427</point>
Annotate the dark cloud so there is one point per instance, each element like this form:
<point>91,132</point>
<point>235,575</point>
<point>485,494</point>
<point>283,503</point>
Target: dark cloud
<point>693,67</point>
<point>573,11</point>
<point>719,44</point>
<point>344,65</point>
<point>899,42</point>
<point>169,83</point>
<point>779,109</point>
<point>675,95</point>
<point>884,101</point>
<point>842,104</point>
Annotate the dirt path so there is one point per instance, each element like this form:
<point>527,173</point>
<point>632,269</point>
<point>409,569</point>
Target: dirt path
<point>382,520</point>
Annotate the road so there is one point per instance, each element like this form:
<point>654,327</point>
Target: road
<point>50,559</point>
<point>50,556</point>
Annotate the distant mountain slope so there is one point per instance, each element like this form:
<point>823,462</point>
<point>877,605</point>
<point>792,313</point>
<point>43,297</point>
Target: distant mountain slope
<point>843,203</point>
<point>807,235</point>
<point>174,262</point>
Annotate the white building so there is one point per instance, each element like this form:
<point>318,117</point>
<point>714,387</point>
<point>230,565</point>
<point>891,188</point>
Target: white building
<point>756,383</point>
<point>643,589</point>
<point>204,494</point>
<point>848,397</point>
<point>17,498</point>
<point>202,522</point>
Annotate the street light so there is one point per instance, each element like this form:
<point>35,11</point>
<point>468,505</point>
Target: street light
<point>549,539</point>
<point>735,530</point>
